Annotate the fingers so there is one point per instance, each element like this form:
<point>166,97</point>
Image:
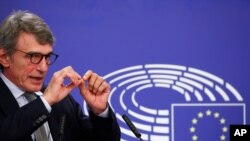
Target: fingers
<point>104,87</point>
<point>61,84</point>
<point>96,84</point>
<point>68,77</point>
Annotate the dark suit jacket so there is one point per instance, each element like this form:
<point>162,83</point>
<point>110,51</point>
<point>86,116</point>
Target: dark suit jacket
<point>66,120</point>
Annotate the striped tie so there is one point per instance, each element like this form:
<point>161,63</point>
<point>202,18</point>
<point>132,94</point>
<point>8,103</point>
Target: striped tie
<point>40,133</point>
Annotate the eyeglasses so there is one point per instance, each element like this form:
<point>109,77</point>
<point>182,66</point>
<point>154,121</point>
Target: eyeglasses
<point>36,58</point>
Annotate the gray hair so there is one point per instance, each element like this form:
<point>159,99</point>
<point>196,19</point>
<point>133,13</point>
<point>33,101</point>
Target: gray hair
<point>23,21</point>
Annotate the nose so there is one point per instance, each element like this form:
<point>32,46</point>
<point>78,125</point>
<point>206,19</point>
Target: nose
<point>43,66</point>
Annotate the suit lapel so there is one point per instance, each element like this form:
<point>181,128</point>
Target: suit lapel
<point>7,100</point>
<point>9,105</point>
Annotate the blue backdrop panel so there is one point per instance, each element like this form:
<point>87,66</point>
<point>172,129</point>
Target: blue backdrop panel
<point>177,68</point>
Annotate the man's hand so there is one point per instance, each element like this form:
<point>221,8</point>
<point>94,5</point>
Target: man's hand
<point>56,89</point>
<point>95,91</point>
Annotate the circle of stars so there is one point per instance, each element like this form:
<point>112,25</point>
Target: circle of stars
<point>208,113</point>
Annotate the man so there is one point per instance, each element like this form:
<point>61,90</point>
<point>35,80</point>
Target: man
<point>51,114</point>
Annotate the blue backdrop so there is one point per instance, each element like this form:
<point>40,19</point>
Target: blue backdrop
<point>178,68</point>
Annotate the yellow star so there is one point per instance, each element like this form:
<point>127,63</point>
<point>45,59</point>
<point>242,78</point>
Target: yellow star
<point>208,112</point>
<point>222,137</point>
<point>195,138</point>
<point>192,129</point>
<point>222,121</point>
<point>224,129</point>
<point>200,115</point>
<point>194,121</point>
<point>216,115</point>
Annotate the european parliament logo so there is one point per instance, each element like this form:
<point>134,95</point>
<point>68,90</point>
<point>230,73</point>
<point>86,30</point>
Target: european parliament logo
<point>168,102</point>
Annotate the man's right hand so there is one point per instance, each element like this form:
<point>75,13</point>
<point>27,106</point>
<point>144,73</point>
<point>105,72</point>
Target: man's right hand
<point>56,89</point>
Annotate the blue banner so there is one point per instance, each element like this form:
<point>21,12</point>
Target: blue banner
<point>177,68</point>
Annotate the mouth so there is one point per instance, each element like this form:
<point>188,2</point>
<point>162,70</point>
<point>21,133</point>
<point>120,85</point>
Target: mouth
<point>37,79</point>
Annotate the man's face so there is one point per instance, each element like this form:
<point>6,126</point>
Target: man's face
<point>21,71</point>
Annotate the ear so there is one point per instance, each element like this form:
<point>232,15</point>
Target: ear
<point>4,58</point>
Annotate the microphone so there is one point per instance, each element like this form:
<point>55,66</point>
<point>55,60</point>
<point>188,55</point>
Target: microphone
<point>131,126</point>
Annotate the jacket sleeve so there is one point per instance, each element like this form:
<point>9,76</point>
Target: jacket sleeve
<point>95,128</point>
